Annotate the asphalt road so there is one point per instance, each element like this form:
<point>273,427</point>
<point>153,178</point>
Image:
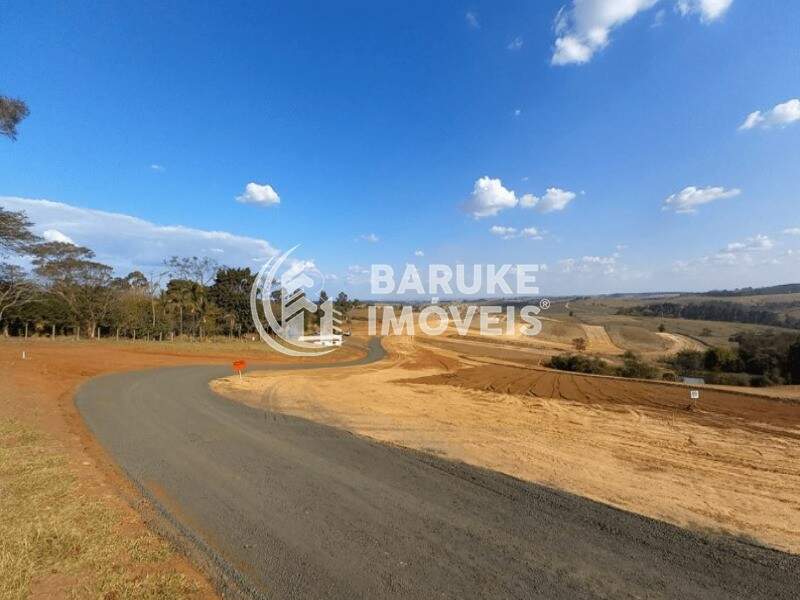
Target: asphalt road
<point>280,507</point>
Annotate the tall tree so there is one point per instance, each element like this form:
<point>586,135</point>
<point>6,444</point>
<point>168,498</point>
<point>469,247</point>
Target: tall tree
<point>12,111</point>
<point>15,232</point>
<point>201,272</point>
<point>81,283</point>
<point>231,293</point>
<point>15,288</point>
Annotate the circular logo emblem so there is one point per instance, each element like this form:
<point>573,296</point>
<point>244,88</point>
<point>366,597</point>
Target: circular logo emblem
<point>288,311</point>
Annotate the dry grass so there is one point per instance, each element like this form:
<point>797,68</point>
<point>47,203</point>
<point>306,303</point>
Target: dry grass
<point>56,542</point>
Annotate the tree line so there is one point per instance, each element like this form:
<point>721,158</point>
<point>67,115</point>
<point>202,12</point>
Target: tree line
<point>68,292</point>
<point>759,359</point>
<point>713,310</point>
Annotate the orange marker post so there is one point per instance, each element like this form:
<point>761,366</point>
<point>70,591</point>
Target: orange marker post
<point>239,366</point>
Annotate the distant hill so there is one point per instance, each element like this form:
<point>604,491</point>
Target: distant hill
<point>787,288</point>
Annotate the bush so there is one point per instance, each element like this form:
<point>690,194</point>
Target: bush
<point>633,366</point>
<point>579,364</point>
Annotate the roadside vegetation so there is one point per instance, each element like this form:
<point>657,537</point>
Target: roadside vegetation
<point>68,292</point>
<point>54,540</point>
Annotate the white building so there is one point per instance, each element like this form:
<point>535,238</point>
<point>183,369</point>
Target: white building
<point>333,339</point>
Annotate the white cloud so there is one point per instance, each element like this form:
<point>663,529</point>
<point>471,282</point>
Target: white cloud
<point>157,168</point>
<point>129,243</point>
<point>709,10</point>
<point>607,265</point>
<point>780,115</point>
<point>517,112</point>
<point>531,233</point>
<point>584,27</point>
<point>516,43</point>
<point>419,253</point>
<point>488,198</point>
<point>472,19</point>
<point>504,232</point>
<point>554,199</point>
<point>753,251</point>
<point>356,274</point>
<point>689,198</point>
<point>792,231</point>
<point>369,237</point>
<point>262,195</point>
<point>510,233</point>
<point>756,243</point>
<point>54,235</point>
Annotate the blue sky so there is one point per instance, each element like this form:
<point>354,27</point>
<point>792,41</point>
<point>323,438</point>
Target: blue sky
<point>373,123</point>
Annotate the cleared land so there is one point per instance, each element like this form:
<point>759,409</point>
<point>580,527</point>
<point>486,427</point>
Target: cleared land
<point>299,509</point>
<point>730,464</point>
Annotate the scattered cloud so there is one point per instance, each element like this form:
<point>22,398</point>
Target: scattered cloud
<point>554,199</point>
<point>689,198</point>
<point>510,233</point>
<point>658,20</point>
<point>369,237</point>
<point>129,243</point>
<point>505,232</point>
<point>472,19</point>
<point>756,243</point>
<point>792,231</point>
<point>488,198</point>
<point>54,235</point>
<point>531,233</point>
<point>356,274</point>
<point>755,250</point>
<point>708,10</point>
<point>515,44</point>
<point>584,27</point>
<point>419,253</point>
<point>607,265</point>
<point>261,195</point>
<point>518,112</point>
<point>780,115</point>
<point>157,168</point>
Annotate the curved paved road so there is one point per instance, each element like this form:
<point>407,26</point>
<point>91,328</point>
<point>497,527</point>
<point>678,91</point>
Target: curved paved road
<point>281,507</point>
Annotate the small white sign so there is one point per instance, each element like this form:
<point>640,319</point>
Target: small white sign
<point>694,394</point>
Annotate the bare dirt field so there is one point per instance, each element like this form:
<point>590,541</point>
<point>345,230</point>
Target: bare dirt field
<point>67,528</point>
<point>730,464</point>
